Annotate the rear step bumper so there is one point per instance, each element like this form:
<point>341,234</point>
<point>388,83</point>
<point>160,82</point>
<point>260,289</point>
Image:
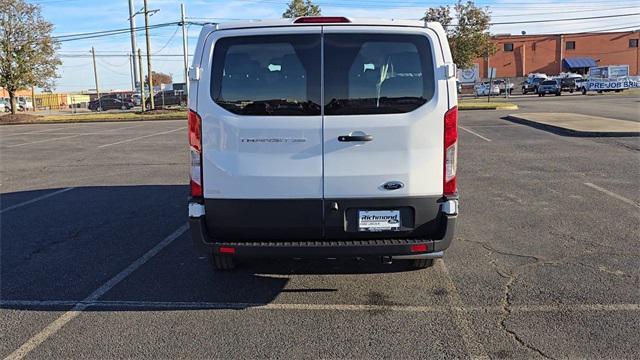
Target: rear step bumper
<point>396,248</point>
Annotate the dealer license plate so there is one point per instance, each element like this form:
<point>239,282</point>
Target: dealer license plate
<point>379,220</point>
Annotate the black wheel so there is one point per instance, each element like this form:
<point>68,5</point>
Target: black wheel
<point>223,263</point>
<point>558,93</point>
<point>524,92</point>
<point>539,95</point>
<point>421,263</point>
<point>584,91</point>
<point>571,91</point>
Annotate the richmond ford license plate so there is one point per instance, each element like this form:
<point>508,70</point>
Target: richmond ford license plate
<point>379,220</point>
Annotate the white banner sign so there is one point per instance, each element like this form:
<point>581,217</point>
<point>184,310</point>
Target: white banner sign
<point>612,85</point>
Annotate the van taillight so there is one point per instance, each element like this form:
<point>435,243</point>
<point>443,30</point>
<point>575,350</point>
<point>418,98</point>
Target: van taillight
<point>195,149</point>
<point>450,151</point>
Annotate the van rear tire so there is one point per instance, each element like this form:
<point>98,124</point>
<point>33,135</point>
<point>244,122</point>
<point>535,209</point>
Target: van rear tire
<point>421,263</point>
<point>223,263</point>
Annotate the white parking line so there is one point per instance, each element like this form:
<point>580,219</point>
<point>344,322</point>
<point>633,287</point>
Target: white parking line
<point>36,199</point>
<point>141,137</point>
<point>71,136</point>
<point>612,194</point>
<point>474,133</point>
<point>57,324</point>
<point>186,305</point>
<point>39,131</point>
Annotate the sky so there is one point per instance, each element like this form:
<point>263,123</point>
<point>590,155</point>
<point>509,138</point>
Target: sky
<point>78,16</point>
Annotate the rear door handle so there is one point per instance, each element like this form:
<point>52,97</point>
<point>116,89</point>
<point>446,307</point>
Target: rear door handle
<point>345,138</point>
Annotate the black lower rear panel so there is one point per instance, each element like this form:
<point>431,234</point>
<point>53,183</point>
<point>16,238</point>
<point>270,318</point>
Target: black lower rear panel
<point>315,219</point>
<point>241,219</point>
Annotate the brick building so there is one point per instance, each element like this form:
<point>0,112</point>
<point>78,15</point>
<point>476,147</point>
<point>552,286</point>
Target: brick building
<point>519,55</point>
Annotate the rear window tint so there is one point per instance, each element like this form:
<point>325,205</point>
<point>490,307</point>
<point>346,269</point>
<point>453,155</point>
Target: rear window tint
<point>376,73</point>
<point>267,75</point>
<point>549,82</point>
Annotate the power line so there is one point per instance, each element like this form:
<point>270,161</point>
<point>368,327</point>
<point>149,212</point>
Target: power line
<point>95,34</point>
<point>566,19</point>
<point>167,43</point>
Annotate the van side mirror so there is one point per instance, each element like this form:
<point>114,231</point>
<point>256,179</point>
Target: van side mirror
<point>194,73</point>
<point>450,70</point>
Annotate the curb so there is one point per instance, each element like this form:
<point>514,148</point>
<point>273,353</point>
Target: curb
<point>498,107</point>
<point>71,121</point>
<point>569,132</point>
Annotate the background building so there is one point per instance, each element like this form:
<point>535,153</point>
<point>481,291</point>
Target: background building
<point>519,55</point>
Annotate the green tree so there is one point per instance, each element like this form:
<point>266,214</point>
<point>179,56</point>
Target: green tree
<point>27,50</point>
<point>298,8</point>
<point>469,38</point>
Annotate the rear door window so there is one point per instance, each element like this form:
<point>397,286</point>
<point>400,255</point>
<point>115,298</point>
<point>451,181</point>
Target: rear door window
<point>268,75</point>
<point>376,73</point>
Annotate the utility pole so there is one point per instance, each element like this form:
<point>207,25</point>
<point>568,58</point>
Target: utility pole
<point>33,98</point>
<point>561,52</point>
<point>185,50</point>
<point>133,77</point>
<point>132,24</point>
<point>142,99</point>
<point>95,74</point>
<point>149,72</point>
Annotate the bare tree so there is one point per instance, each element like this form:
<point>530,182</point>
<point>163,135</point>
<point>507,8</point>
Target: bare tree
<point>159,78</point>
<point>469,38</point>
<point>27,50</point>
<point>298,8</point>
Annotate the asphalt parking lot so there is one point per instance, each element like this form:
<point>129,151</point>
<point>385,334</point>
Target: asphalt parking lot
<point>96,262</point>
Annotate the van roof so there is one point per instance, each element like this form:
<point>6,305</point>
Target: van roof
<point>290,22</point>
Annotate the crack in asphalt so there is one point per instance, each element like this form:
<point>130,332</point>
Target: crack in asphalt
<point>506,304</point>
<point>512,277</point>
<point>494,250</point>
<point>505,301</point>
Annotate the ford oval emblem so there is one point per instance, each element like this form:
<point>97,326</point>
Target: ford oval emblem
<point>393,185</point>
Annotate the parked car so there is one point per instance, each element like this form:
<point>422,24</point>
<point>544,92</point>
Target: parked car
<point>580,85</point>
<point>24,103</point>
<point>276,172</point>
<point>531,85</point>
<point>109,103</point>
<point>549,87</point>
<point>4,105</point>
<point>167,98</point>
<point>459,87</point>
<point>568,84</point>
<point>483,89</point>
<point>136,99</point>
<point>502,85</point>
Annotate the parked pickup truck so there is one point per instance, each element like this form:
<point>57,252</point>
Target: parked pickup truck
<point>568,84</point>
<point>531,85</point>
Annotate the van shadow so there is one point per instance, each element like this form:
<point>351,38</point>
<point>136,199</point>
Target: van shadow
<point>56,251</point>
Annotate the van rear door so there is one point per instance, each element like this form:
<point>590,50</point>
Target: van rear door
<point>383,131</point>
<point>259,100</point>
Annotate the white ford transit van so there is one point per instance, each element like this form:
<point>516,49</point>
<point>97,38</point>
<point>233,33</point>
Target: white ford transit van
<point>323,137</point>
